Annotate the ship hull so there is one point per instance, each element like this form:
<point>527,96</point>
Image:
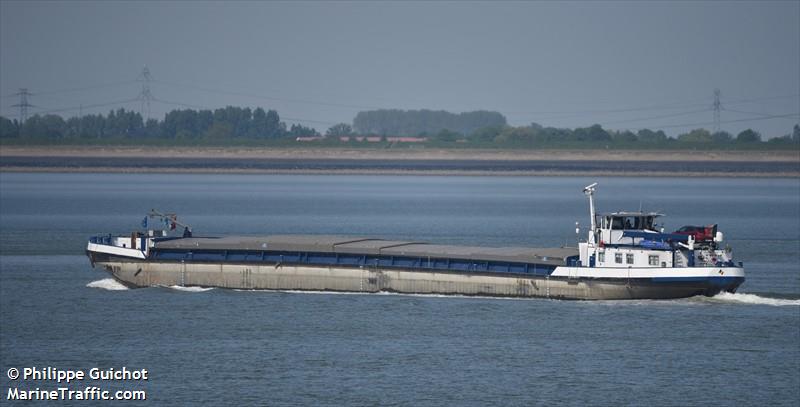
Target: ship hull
<point>145,273</point>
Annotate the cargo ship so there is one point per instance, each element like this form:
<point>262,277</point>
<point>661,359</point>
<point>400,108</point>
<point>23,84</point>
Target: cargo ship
<point>625,255</point>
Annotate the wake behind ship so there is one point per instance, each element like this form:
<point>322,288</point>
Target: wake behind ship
<point>623,257</point>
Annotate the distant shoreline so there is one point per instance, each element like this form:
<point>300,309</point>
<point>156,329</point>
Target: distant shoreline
<point>210,160</point>
<point>420,154</point>
<point>130,170</point>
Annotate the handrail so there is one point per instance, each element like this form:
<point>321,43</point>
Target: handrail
<point>170,217</point>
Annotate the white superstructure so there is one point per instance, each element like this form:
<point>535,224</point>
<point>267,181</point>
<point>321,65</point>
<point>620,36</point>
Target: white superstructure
<point>632,245</point>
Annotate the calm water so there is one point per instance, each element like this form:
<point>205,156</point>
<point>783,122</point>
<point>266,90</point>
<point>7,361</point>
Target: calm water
<point>227,347</point>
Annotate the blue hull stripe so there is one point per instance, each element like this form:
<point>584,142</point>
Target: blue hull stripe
<point>720,281</point>
<point>353,260</point>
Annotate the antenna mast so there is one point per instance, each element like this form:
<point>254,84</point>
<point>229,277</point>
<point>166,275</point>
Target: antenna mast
<point>589,192</point>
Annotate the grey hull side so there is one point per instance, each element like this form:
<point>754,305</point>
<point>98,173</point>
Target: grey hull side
<point>310,278</point>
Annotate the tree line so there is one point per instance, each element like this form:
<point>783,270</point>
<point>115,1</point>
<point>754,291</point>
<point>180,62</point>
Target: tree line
<point>184,124</point>
<point>395,122</point>
<point>229,124</point>
<point>537,134</point>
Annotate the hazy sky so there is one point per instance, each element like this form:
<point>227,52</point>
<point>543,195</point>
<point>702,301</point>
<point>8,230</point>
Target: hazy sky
<point>625,65</point>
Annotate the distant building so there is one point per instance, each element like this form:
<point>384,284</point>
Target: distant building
<point>407,139</point>
<point>368,139</point>
<point>377,139</point>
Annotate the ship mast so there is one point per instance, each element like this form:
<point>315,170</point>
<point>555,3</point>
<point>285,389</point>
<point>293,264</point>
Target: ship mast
<point>589,191</point>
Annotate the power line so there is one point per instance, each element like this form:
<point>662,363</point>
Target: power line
<point>158,100</point>
<point>716,121</point>
<point>617,110</point>
<point>735,101</point>
<point>688,104</point>
<point>83,88</point>
<point>765,117</point>
<point>182,104</point>
<point>66,109</point>
<point>256,96</point>
<point>664,116</point>
<point>145,97</point>
<point>777,116</point>
<point>744,112</point>
<point>296,119</point>
<point>581,114</point>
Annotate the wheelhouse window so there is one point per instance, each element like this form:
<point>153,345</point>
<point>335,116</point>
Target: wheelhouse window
<point>653,260</point>
<point>618,258</point>
<point>629,258</point>
<point>629,222</point>
<point>601,257</point>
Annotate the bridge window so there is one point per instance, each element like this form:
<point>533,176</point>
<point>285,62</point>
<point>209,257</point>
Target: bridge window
<point>653,260</point>
<point>630,222</point>
<point>618,258</point>
<point>627,222</point>
<point>601,257</point>
<point>629,258</point>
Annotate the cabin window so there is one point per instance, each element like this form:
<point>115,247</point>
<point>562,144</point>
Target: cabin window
<point>618,258</point>
<point>628,222</point>
<point>653,260</point>
<point>629,258</point>
<point>601,257</point>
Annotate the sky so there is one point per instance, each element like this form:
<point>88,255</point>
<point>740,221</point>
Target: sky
<point>624,65</point>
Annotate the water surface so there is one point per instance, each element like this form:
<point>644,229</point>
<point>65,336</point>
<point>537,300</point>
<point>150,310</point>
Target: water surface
<point>228,347</point>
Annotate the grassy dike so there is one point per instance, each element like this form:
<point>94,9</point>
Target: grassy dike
<point>33,156</point>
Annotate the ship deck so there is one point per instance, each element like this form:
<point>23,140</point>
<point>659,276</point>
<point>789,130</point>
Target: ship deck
<point>364,246</point>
